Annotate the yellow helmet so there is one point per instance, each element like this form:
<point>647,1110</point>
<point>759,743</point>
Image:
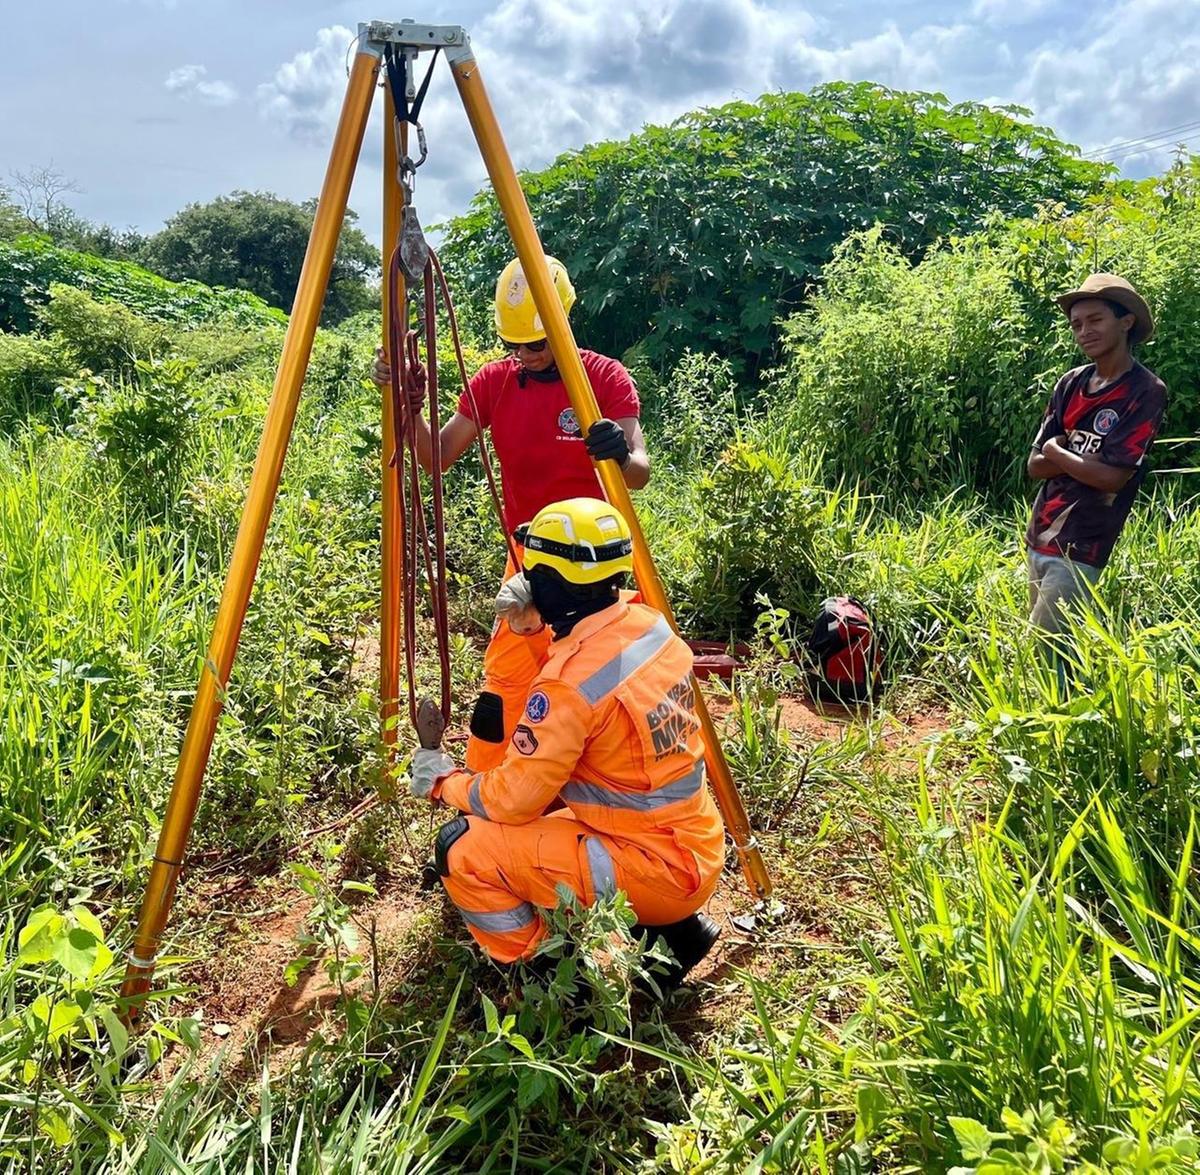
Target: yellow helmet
<point>517,319</point>
<point>584,539</point>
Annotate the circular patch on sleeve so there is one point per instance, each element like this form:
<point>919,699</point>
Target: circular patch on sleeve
<point>537,707</point>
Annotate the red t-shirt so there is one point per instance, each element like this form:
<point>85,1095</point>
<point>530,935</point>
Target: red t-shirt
<point>535,435</point>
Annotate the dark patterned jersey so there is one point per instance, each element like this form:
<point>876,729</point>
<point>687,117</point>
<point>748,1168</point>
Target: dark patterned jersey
<point>1116,423</point>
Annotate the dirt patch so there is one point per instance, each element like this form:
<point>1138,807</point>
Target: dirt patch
<point>245,1004</point>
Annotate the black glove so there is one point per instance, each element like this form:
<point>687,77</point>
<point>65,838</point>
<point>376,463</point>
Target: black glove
<point>606,441</point>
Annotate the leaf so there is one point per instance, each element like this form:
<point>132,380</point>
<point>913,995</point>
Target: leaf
<point>55,1126</point>
<point>974,1138</point>
<point>58,1015</point>
<point>871,1105</point>
<point>531,1085</point>
<point>490,1017</point>
<point>76,952</point>
<point>521,1045</point>
<point>36,940</point>
<point>118,1034</point>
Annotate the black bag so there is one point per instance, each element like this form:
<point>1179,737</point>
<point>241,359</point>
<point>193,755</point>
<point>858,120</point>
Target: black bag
<point>845,653</point>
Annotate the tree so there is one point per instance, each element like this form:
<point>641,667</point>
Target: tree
<point>38,193</point>
<point>705,233</point>
<point>256,241</point>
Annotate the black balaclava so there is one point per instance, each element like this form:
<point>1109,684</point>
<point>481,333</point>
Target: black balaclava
<point>549,376</point>
<point>563,605</point>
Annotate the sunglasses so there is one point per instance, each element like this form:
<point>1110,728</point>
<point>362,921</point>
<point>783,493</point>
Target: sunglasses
<point>512,348</point>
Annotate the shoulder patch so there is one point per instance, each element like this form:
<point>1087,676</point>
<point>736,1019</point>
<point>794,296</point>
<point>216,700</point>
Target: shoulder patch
<point>537,707</point>
<point>524,740</point>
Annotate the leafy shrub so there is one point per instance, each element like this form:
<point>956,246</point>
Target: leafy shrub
<point>141,427</point>
<point>694,412</point>
<point>936,374</point>
<point>30,265</point>
<point>101,336</point>
<point>749,529</point>
<point>30,367</point>
<point>703,233</point>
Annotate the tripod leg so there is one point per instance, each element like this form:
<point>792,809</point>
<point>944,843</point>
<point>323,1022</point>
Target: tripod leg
<point>533,260</point>
<point>256,514</point>
<point>391,573</point>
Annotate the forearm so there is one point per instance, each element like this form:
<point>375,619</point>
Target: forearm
<point>1040,467</point>
<point>503,795</point>
<point>1090,471</point>
<point>424,444</point>
<point>637,470</point>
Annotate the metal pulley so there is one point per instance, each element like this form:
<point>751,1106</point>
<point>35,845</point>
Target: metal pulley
<point>414,249</point>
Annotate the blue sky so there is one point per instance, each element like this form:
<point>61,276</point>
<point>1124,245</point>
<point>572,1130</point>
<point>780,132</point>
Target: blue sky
<point>150,104</point>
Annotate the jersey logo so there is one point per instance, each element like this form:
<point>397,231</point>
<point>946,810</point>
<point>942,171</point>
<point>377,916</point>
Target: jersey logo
<point>568,422</point>
<point>1084,443</point>
<point>1105,421</point>
<point>537,707</point>
<point>524,740</point>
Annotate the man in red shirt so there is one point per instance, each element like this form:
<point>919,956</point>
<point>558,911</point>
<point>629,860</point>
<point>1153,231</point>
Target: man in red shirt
<point>543,458</point>
<point>1090,450</point>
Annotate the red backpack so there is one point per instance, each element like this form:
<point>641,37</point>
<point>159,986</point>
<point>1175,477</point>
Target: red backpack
<point>845,653</point>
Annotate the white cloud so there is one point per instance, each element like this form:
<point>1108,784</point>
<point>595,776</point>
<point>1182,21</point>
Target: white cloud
<point>305,94</point>
<point>562,73</point>
<point>1138,75</point>
<point>1010,12</point>
<point>191,81</point>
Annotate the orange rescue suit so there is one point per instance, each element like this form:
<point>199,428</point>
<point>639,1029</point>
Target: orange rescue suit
<point>610,728</point>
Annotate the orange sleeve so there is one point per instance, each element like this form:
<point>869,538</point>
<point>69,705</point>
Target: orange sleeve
<point>540,758</point>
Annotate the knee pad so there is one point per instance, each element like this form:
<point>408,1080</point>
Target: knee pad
<point>487,719</point>
<point>447,835</point>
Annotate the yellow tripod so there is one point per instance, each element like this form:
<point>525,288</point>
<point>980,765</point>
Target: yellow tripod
<point>373,39</point>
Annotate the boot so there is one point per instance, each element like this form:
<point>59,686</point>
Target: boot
<point>689,941</point>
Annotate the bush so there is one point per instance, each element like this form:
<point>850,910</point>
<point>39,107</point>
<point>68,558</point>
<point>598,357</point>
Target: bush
<point>30,368</point>
<point>936,374</point>
<point>742,529</point>
<point>142,427</point>
<point>30,265</point>
<point>702,234</point>
<point>101,336</point>
<point>695,411</point>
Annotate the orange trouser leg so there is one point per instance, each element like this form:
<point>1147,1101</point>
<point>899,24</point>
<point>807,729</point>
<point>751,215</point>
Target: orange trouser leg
<point>509,667</point>
<point>500,874</point>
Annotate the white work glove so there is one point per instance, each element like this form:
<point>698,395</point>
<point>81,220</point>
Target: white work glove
<point>426,769</point>
<point>515,604</point>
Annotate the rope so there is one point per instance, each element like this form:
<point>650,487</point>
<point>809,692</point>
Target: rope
<point>417,547</point>
<point>421,550</point>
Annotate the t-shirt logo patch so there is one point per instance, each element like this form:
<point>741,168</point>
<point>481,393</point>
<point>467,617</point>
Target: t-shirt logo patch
<point>1106,421</point>
<point>537,707</point>
<point>568,422</point>
<point>524,740</point>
